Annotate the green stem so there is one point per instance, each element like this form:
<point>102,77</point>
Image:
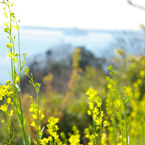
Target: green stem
<point>114,124</point>
<point>101,126</point>
<point>8,123</point>
<point>11,50</point>
<point>94,128</point>
<point>37,92</point>
<point>38,137</point>
<point>124,109</point>
<point>19,54</point>
<point>20,116</point>
<point>143,135</point>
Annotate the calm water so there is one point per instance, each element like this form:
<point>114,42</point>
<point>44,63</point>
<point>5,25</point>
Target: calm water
<point>34,42</point>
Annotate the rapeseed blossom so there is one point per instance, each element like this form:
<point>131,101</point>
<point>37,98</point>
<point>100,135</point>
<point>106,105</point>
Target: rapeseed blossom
<point>10,55</point>
<point>44,141</point>
<point>75,137</point>
<point>33,124</point>
<point>52,128</point>
<point>97,114</point>
<point>4,107</point>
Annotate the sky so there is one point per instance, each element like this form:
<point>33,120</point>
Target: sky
<point>92,14</point>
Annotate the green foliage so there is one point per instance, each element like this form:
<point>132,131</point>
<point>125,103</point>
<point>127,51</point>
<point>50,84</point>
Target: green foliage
<point>112,115</point>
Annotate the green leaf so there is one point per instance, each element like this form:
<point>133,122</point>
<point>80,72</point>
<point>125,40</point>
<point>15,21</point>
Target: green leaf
<point>128,98</point>
<point>42,132</point>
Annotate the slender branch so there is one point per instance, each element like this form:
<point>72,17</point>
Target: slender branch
<point>135,5</point>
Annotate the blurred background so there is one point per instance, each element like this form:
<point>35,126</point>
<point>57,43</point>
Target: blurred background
<point>69,46</point>
<point>60,26</point>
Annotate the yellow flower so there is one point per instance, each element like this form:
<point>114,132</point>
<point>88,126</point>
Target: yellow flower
<point>10,55</point>
<point>91,105</point>
<point>11,113</point>
<point>8,82</point>
<point>135,85</point>
<point>10,92</point>
<point>50,138</point>
<point>52,120</point>
<point>96,110</point>
<point>31,97</point>
<point>110,68</point>
<point>89,112</point>
<point>11,4</point>
<point>3,108</point>
<point>34,116</point>
<point>52,127</point>
<point>90,143</point>
<point>74,139</point>
<point>102,114</point>
<point>33,124</point>
<point>142,73</point>
<point>2,120</point>
<point>98,121</point>
<point>120,136</point>
<point>5,14</point>
<point>139,81</point>
<point>35,142</point>
<point>119,143</point>
<point>109,86</point>
<point>1,97</point>
<point>31,109</point>
<point>26,70</point>
<point>40,111</point>
<point>89,91</point>
<point>16,27</point>
<point>104,136</point>
<point>6,24</point>
<point>44,141</point>
<point>10,45</point>
<point>9,100</point>
<point>16,60</point>
<point>105,123</point>
<point>17,79</point>
<point>42,116</point>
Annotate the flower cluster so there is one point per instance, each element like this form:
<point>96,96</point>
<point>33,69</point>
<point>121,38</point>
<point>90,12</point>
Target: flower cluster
<point>98,118</point>
<point>6,95</point>
<point>75,138</point>
<point>52,129</point>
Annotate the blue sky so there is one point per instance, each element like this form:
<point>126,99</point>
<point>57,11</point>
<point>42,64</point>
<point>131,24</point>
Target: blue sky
<point>96,14</point>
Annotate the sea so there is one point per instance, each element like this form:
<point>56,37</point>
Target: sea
<point>38,40</point>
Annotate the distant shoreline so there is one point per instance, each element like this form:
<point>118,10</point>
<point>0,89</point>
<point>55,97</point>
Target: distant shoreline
<point>80,29</point>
